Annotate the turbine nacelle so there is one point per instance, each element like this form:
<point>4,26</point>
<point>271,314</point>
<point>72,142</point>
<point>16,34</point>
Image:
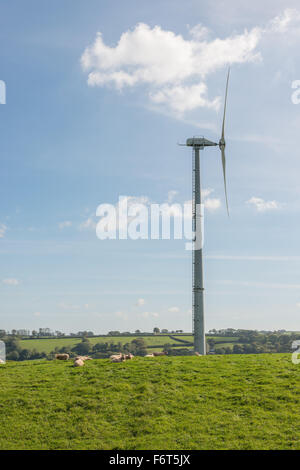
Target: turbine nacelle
<point>199,142</point>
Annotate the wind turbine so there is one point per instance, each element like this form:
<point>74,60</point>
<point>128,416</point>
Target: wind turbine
<point>199,143</point>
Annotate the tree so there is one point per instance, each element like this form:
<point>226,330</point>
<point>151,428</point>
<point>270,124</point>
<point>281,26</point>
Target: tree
<point>138,347</point>
<point>220,351</point>
<point>12,344</point>
<point>24,355</point>
<point>156,330</point>
<point>237,349</point>
<point>82,348</point>
<point>13,356</point>
<point>168,348</point>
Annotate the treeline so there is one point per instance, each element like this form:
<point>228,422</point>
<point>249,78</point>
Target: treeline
<point>252,342</point>
<point>15,352</point>
<point>47,333</point>
<point>137,347</point>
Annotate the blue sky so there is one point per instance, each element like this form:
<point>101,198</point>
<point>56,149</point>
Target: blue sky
<point>71,141</point>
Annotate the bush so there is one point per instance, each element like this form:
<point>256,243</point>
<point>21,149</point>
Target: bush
<point>13,356</point>
<point>82,348</point>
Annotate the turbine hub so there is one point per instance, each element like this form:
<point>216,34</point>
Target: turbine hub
<point>222,143</point>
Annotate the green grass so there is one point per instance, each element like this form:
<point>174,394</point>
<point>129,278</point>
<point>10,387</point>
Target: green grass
<point>49,344</point>
<point>212,402</point>
<point>225,345</point>
<point>224,339</point>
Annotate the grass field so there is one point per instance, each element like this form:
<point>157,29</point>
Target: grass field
<point>212,402</point>
<point>48,345</point>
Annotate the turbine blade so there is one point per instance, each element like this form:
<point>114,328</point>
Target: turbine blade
<point>225,104</point>
<point>224,175</point>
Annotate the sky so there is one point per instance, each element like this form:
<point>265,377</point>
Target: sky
<point>98,95</point>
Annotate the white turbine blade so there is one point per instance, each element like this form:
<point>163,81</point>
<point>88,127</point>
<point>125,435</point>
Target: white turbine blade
<point>225,104</point>
<point>224,175</point>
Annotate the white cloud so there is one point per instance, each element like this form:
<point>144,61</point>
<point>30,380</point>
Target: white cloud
<point>212,204</point>
<point>171,195</point>
<point>88,224</point>
<point>199,31</point>
<point>173,309</point>
<point>185,98</point>
<point>289,20</point>
<point>262,206</point>
<point>206,192</point>
<point>11,282</point>
<point>150,314</point>
<point>3,229</point>
<point>65,224</point>
<point>172,68</point>
<point>298,305</point>
<point>140,302</point>
<point>37,314</point>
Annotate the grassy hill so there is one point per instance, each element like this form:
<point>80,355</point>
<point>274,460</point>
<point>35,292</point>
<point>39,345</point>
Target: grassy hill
<point>212,402</point>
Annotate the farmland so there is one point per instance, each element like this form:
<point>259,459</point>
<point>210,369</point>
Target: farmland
<point>209,402</point>
<point>49,344</point>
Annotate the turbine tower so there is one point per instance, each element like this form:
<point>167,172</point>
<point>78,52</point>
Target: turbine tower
<point>199,143</point>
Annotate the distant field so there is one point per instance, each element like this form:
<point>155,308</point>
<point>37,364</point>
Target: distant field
<point>48,345</point>
<point>224,339</point>
<point>208,402</point>
<point>226,345</point>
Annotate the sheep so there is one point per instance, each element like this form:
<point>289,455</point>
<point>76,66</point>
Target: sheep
<point>121,357</point>
<point>78,363</point>
<point>1,361</point>
<point>164,353</point>
<point>197,354</point>
<point>62,357</point>
<point>118,358</point>
<point>83,358</point>
<point>129,356</point>
<point>149,355</point>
